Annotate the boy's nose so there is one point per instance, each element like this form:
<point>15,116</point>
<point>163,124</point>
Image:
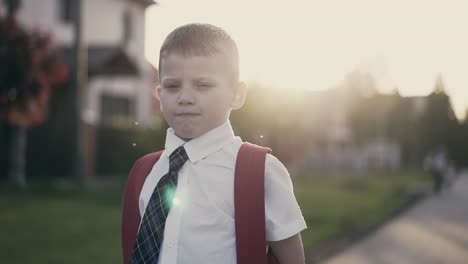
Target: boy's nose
<point>186,96</point>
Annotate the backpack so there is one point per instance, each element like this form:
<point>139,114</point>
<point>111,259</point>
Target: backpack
<point>249,207</point>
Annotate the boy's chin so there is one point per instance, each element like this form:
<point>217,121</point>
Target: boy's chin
<point>186,138</point>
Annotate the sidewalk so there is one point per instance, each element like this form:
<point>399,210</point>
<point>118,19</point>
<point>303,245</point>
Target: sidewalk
<point>433,231</point>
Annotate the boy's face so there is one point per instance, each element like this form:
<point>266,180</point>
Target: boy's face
<point>197,93</point>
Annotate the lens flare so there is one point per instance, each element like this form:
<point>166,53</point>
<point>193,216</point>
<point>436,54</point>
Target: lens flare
<point>170,196</point>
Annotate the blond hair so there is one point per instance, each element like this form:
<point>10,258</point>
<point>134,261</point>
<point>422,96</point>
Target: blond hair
<point>202,40</point>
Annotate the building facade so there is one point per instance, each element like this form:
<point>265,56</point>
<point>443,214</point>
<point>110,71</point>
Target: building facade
<point>121,82</point>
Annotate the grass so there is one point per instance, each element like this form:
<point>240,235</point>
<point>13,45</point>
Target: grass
<point>338,204</point>
<point>50,226</point>
<point>47,225</point>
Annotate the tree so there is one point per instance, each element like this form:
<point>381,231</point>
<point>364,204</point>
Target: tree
<point>439,87</point>
<point>439,126</point>
<point>30,65</point>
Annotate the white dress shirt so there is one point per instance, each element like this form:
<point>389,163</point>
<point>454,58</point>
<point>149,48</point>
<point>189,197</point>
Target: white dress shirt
<point>200,226</point>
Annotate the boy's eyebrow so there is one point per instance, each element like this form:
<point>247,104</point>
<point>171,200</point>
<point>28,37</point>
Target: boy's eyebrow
<point>169,79</point>
<point>199,79</point>
<point>205,78</point>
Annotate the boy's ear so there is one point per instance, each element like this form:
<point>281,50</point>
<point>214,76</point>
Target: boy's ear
<point>158,95</point>
<point>239,96</point>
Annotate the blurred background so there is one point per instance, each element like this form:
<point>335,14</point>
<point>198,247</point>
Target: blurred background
<point>365,102</point>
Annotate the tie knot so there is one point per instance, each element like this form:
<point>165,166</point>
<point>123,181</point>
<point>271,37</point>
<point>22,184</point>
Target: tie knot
<point>177,159</point>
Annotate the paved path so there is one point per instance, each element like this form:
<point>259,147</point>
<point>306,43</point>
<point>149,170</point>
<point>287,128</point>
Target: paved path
<point>433,231</point>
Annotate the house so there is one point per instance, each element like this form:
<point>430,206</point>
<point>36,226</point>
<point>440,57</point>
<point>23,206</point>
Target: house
<point>120,81</point>
<point>118,88</point>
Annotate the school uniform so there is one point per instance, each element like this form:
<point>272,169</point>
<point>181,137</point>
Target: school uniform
<point>200,226</point>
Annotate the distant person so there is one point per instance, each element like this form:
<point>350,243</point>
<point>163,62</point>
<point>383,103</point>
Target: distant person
<point>450,174</point>
<point>199,75</point>
<point>437,164</point>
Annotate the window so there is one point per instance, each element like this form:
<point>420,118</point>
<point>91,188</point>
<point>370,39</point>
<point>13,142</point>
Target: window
<point>66,7</point>
<point>117,110</point>
<point>127,27</point>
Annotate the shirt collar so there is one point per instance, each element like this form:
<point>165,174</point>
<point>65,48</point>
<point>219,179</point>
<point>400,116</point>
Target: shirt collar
<point>202,146</point>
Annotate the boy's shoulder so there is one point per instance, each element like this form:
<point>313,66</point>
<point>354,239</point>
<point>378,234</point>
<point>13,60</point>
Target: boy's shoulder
<point>252,154</point>
<point>151,156</point>
<point>247,147</point>
<point>274,167</point>
<point>252,148</point>
<point>148,159</point>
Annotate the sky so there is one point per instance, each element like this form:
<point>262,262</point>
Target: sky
<point>404,44</point>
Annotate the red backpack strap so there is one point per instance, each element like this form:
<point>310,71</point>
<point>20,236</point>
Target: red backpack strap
<point>130,209</point>
<point>249,204</point>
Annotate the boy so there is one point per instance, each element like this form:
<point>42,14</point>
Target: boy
<point>194,221</point>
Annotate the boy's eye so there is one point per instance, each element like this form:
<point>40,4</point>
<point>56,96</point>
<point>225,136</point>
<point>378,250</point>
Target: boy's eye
<point>204,85</point>
<point>171,85</point>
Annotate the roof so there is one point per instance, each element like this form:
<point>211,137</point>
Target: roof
<point>146,3</point>
<point>107,60</point>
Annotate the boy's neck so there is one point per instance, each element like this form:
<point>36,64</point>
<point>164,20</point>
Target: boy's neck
<point>189,139</point>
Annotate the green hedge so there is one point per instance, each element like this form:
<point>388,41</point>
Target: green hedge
<point>118,149</point>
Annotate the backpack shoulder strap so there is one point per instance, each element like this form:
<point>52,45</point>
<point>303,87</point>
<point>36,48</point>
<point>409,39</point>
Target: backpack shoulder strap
<point>249,204</point>
<point>130,209</point>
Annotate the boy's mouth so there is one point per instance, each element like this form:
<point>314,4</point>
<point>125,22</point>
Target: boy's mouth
<point>187,114</point>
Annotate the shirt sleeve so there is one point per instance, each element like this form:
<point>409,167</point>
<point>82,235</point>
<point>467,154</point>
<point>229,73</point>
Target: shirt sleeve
<point>283,217</point>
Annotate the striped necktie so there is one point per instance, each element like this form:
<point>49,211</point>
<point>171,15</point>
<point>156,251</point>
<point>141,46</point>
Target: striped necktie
<point>148,243</point>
